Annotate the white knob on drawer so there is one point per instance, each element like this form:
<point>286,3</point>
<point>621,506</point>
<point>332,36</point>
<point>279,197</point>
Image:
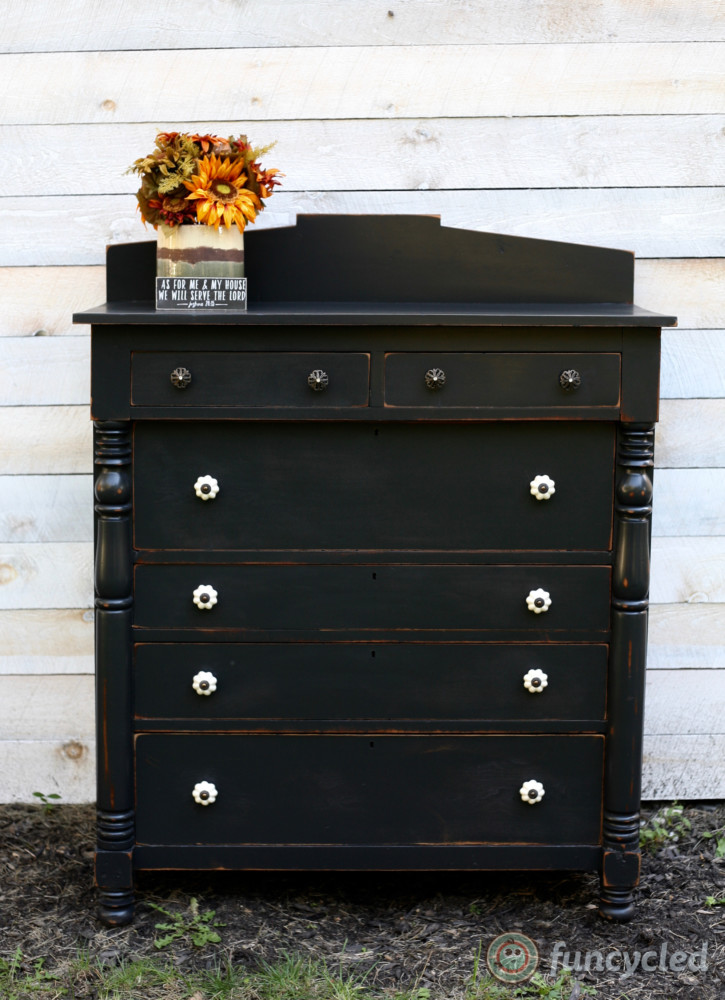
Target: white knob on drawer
<point>205,597</point>
<point>531,792</point>
<point>538,601</point>
<point>535,680</point>
<point>206,487</point>
<point>204,682</point>
<point>204,793</point>
<point>542,487</point>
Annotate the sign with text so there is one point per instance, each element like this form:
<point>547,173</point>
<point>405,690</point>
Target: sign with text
<point>201,293</point>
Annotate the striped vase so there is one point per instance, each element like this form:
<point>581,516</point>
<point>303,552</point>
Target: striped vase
<point>199,252</point>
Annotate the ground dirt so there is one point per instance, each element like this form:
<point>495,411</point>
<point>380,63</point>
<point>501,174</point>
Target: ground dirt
<point>407,931</point>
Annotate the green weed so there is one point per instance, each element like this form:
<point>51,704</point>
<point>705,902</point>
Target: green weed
<point>48,806</point>
<point>196,927</point>
<point>667,825</point>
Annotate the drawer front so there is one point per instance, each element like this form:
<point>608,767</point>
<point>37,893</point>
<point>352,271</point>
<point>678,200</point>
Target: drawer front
<point>501,380</point>
<point>382,681</point>
<point>373,597</point>
<point>227,378</point>
<point>336,485</point>
<point>368,790</point>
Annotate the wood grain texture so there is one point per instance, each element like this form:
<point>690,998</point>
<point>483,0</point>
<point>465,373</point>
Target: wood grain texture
<point>42,370</point>
<point>46,509</point>
<point>66,768</point>
<point>43,440</point>
<point>46,642</point>
<point>688,570</point>
<point>297,84</point>
<point>84,24</point>
<point>683,767</point>
<point>58,706</point>
<point>46,575</point>
<point>686,636</point>
<point>693,364</point>
<point>39,301</point>
<point>685,702</point>
<point>693,290</point>
<point>652,222</point>
<point>431,153</point>
<point>690,434</point>
<point>689,502</point>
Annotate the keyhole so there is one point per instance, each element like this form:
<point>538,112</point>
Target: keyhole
<point>372,652</point>
<point>375,576</point>
<point>372,744</point>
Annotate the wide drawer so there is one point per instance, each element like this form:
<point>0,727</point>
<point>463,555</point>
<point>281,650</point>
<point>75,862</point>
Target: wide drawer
<point>348,681</point>
<point>368,789</point>
<point>236,378</point>
<point>501,380</point>
<point>337,485</point>
<point>384,597</point>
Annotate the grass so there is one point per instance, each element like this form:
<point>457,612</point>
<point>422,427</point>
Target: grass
<point>292,977</point>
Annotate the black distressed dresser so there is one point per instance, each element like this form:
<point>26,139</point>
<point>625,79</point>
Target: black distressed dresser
<point>372,558</point>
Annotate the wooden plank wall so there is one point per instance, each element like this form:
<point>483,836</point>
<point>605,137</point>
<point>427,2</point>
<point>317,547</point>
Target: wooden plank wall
<point>599,122</point>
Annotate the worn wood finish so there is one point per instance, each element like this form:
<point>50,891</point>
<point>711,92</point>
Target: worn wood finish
<point>386,790</point>
<point>380,82</point>
<point>370,486</point>
<point>82,25</point>
<point>630,586</point>
<point>114,609</point>
<point>339,681</point>
<point>538,152</point>
<point>335,536</point>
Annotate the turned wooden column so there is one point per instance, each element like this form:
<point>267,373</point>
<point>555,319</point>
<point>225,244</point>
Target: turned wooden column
<point>114,610</point>
<point>627,662</point>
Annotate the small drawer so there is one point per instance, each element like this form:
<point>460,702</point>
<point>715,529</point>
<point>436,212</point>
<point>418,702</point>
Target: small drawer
<point>375,597</point>
<point>479,379</point>
<point>329,789</point>
<point>226,378</point>
<point>235,682</point>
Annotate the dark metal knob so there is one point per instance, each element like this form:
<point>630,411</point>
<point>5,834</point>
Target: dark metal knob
<point>318,380</point>
<point>570,379</point>
<point>180,378</point>
<point>435,378</point>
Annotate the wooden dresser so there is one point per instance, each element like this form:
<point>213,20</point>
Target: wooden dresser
<point>372,559</point>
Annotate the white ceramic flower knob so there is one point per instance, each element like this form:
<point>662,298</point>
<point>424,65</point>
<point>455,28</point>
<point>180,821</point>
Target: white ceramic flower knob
<point>204,682</point>
<point>205,597</point>
<point>535,680</point>
<point>206,487</point>
<point>204,793</point>
<point>538,601</point>
<point>542,487</point>
<point>531,792</point>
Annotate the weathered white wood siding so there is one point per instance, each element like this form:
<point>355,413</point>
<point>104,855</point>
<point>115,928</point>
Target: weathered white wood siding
<point>599,122</point>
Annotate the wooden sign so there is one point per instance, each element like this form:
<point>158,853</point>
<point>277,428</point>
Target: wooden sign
<point>201,293</point>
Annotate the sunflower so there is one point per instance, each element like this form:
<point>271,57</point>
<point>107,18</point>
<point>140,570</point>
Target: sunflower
<point>220,195</point>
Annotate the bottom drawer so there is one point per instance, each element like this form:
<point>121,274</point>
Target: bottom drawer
<point>289,789</point>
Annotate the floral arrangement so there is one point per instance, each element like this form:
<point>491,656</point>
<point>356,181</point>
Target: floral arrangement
<point>202,180</point>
